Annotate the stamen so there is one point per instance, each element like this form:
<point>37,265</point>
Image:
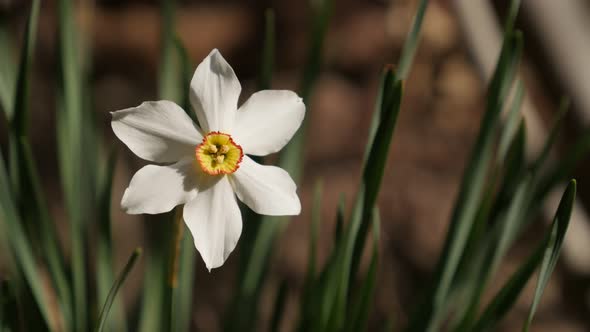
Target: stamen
<point>218,154</point>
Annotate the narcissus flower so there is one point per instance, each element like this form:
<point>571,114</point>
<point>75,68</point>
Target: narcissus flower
<point>206,167</point>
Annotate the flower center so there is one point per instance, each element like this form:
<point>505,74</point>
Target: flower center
<point>219,154</point>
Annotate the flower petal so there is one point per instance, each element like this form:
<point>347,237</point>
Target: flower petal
<point>267,121</point>
<point>158,131</point>
<point>158,189</point>
<point>215,222</point>
<point>215,90</point>
<point>266,190</point>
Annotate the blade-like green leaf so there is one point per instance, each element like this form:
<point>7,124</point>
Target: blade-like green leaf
<point>357,231</point>
<point>279,306</point>
<point>340,216</point>
<point>471,190</point>
<point>512,122</point>
<point>555,129</point>
<point>545,255</point>
<point>20,245</point>
<point>77,178</point>
<point>115,289</point>
<point>404,66</point>
<point>183,294</point>
<point>507,296</point>
<point>268,51</point>
<point>375,166</point>
<point>104,252</point>
<point>359,315</point>
<point>310,276</point>
<point>38,209</point>
<point>291,160</point>
<point>22,99</point>
<point>553,248</point>
<point>170,64</point>
<point>566,165</point>
<point>411,43</point>
<point>7,70</point>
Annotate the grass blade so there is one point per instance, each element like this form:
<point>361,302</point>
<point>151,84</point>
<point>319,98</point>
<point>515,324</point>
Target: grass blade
<point>183,294</point>
<point>75,156</point>
<point>557,235</point>
<point>403,69</point>
<point>555,129</point>
<point>411,43</point>
<point>104,253</point>
<point>21,101</point>
<point>115,289</point>
<point>512,122</point>
<point>243,311</point>
<point>7,70</point>
<point>356,233</point>
<point>471,190</point>
<point>362,307</point>
<point>268,51</point>
<point>21,249</point>
<point>38,210</point>
<point>391,92</point>
<point>545,255</point>
<point>279,307</point>
<point>507,296</point>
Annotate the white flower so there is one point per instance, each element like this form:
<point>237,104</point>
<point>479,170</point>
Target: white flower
<point>207,167</point>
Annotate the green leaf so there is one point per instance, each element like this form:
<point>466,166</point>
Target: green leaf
<point>511,16</point>
<point>340,216</point>
<point>183,294</point>
<point>7,70</point>
<point>374,168</point>
<point>555,129</point>
<point>279,306</point>
<point>553,248</point>
<point>512,122</point>
<point>104,252</point>
<point>38,210</point>
<point>75,156</point>
<point>566,165</point>
<point>115,289</point>
<point>411,43</point>
<point>20,245</point>
<point>268,51</point>
<point>243,311</point>
<point>545,255</point>
<point>507,296</point>
<point>403,69</point>
<point>151,316</point>
<point>471,190</point>
<point>357,231</point>
<point>310,276</point>
<point>170,63</point>
<point>22,99</point>
<point>507,227</point>
<point>359,315</point>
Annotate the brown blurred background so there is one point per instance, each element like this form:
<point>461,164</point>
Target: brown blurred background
<point>443,102</point>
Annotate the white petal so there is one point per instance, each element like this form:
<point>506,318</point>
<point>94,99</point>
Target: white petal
<point>215,90</point>
<point>215,222</point>
<point>267,121</point>
<point>158,189</point>
<point>266,190</point>
<point>158,131</point>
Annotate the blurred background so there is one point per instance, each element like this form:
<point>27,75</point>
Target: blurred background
<point>442,106</point>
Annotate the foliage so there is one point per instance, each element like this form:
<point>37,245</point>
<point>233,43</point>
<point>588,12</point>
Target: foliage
<point>499,196</point>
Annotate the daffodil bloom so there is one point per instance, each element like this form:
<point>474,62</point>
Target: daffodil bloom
<point>206,167</point>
